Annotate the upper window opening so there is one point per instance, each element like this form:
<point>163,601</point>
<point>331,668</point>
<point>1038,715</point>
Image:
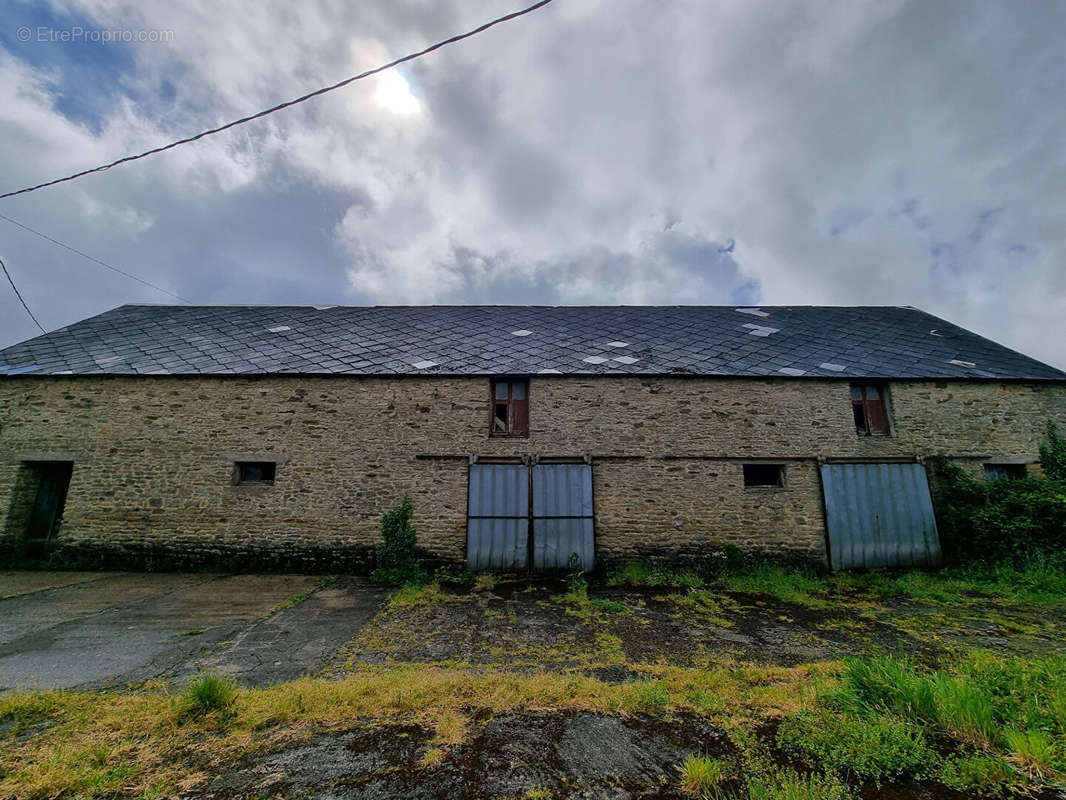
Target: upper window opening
<point>868,407</point>
<point>997,472</point>
<point>510,407</point>
<point>256,473</point>
<point>764,475</point>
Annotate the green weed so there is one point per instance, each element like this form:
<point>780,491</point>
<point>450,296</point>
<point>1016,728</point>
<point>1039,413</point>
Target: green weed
<point>874,747</point>
<point>982,775</point>
<point>644,573</point>
<point>417,594</point>
<point>610,606</point>
<point>702,777</point>
<point>785,784</point>
<point>484,582</point>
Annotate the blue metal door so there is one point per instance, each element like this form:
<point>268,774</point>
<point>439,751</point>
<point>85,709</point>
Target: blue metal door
<point>498,517</point>
<point>879,515</point>
<point>563,535</point>
<point>497,533</point>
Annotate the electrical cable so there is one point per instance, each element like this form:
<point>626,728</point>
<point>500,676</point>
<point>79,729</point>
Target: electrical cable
<point>18,294</point>
<point>95,260</point>
<point>286,104</point>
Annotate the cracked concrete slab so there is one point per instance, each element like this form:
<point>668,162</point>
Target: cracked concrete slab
<point>12,584</point>
<point>124,628</point>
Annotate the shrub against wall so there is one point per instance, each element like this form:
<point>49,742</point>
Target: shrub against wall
<point>1053,454</point>
<point>397,557</point>
<point>1003,519</point>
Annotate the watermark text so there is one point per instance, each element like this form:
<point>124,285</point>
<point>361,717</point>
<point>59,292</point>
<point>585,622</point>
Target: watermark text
<point>76,34</point>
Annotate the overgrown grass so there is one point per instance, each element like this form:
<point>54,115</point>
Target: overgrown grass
<point>1009,713</point>
<point>788,584</point>
<point>151,733</point>
<point>1040,580</point>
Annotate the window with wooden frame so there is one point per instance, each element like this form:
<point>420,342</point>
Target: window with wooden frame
<point>870,410</point>
<point>510,407</point>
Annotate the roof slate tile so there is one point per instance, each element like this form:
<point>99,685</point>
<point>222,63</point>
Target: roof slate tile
<point>874,342</point>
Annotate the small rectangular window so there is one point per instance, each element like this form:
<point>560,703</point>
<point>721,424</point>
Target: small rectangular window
<point>869,409</point>
<point>510,407</point>
<point>256,473</point>
<point>764,475</point>
<point>998,472</point>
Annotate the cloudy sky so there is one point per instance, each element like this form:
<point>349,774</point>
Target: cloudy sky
<point>597,151</point>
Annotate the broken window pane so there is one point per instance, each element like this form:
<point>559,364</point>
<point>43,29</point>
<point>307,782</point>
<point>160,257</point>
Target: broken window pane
<point>860,417</point>
<point>868,408</point>
<point>500,419</point>
<point>510,408</point>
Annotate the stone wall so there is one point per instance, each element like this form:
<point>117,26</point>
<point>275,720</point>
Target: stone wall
<point>154,457</point>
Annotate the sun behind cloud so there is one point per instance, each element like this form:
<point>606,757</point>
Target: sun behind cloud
<point>394,94</point>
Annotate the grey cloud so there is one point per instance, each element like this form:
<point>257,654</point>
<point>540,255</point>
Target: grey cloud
<point>886,152</point>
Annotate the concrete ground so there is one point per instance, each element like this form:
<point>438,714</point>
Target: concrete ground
<point>99,630</point>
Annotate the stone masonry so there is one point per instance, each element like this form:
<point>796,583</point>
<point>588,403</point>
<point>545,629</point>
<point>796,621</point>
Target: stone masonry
<point>154,457</point>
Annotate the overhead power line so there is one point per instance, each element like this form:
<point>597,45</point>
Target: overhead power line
<point>288,103</point>
<point>104,264</point>
<point>18,294</point>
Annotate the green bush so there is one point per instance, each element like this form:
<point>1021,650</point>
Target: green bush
<point>210,693</point>
<point>397,556</point>
<point>1005,519</point>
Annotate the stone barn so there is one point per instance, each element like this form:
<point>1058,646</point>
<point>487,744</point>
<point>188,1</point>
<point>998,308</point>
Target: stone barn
<point>526,437</point>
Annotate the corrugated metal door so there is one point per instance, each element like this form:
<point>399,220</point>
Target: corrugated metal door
<point>497,534</point>
<point>562,516</point>
<point>879,515</point>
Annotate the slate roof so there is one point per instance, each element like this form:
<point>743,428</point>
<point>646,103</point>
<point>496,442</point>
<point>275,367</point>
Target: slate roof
<point>828,341</point>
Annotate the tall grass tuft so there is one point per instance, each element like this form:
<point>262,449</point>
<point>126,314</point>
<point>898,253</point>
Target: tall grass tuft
<point>210,693</point>
<point>702,777</point>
